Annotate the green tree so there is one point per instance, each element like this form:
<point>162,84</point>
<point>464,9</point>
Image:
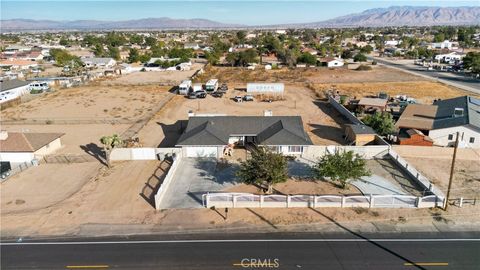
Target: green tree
<point>472,61</point>
<point>64,58</point>
<point>359,58</point>
<point>366,49</point>
<point>133,55</point>
<point>64,42</point>
<point>114,52</point>
<point>347,54</point>
<point>241,35</point>
<point>439,37</point>
<point>110,142</point>
<point>264,168</point>
<point>98,50</point>
<point>341,167</point>
<point>382,123</point>
<point>231,58</point>
<point>136,39</point>
<point>307,58</point>
<point>150,41</point>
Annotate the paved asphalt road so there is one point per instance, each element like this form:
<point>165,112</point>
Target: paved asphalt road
<point>454,79</point>
<point>457,251</point>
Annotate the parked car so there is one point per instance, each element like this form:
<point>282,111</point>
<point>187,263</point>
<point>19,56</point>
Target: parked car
<point>217,94</point>
<point>5,169</point>
<point>223,87</point>
<point>197,94</point>
<point>238,99</point>
<point>248,98</point>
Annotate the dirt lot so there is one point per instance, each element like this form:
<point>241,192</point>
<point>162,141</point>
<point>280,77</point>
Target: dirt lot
<point>423,91</point>
<point>90,102</point>
<point>312,75</point>
<point>466,182</point>
<point>320,120</point>
<point>154,77</point>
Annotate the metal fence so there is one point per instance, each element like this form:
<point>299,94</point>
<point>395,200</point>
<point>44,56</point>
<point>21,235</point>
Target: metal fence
<point>247,200</point>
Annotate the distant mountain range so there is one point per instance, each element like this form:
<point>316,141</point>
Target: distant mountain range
<point>392,16</point>
<point>406,16</point>
<point>149,23</point>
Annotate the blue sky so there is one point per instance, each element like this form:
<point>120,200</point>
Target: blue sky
<point>246,12</point>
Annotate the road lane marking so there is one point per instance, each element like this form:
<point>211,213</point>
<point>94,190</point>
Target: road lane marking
<point>235,241</point>
<point>427,264</point>
<point>87,266</point>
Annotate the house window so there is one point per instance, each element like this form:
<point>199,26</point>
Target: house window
<point>295,149</point>
<point>472,139</point>
<point>450,137</point>
<point>275,149</point>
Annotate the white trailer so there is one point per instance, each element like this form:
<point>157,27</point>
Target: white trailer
<point>184,87</point>
<point>197,87</point>
<point>212,85</point>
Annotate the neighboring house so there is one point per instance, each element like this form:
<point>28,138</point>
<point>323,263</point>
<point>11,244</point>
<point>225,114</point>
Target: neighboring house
<point>446,44</point>
<point>442,120</point>
<point>359,134</point>
<point>331,62</point>
<point>24,147</point>
<point>373,104</point>
<point>193,46</point>
<point>310,51</point>
<point>99,62</point>
<point>16,64</point>
<point>12,89</point>
<point>208,136</point>
<point>392,43</point>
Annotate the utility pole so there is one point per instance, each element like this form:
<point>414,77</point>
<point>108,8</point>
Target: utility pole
<point>452,170</point>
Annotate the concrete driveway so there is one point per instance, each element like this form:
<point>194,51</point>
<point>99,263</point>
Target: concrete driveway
<point>197,176</point>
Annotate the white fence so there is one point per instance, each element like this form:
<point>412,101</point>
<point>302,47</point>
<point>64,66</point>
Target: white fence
<point>177,159</point>
<point>142,153</point>
<point>247,200</point>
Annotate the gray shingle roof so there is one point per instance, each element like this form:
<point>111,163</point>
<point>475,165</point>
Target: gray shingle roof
<point>442,114</point>
<point>445,118</point>
<point>270,130</point>
<point>361,129</point>
<point>12,84</point>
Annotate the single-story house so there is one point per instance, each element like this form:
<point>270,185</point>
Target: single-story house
<point>99,62</point>
<point>208,136</point>
<point>359,134</point>
<point>331,62</point>
<point>24,147</point>
<point>442,120</point>
<point>414,137</point>
<point>10,89</point>
<point>375,104</point>
<point>17,64</point>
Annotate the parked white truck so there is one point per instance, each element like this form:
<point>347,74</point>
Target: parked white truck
<point>211,86</point>
<point>184,87</point>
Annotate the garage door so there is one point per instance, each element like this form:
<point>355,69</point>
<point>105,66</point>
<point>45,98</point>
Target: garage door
<point>201,151</point>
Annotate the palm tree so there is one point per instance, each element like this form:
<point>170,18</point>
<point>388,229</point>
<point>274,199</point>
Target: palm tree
<point>110,142</point>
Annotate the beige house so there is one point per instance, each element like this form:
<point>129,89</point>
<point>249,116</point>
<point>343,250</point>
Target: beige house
<point>24,147</point>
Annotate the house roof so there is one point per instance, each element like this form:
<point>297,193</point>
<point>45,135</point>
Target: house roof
<point>269,130</point>
<point>17,62</point>
<point>27,142</point>
<point>12,84</point>
<point>97,60</point>
<point>442,114</point>
<point>378,102</point>
<point>361,129</point>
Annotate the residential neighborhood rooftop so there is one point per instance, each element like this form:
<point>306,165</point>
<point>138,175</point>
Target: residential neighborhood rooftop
<point>270,130</point>
<point>26,142</point>
<point>447,113</point>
